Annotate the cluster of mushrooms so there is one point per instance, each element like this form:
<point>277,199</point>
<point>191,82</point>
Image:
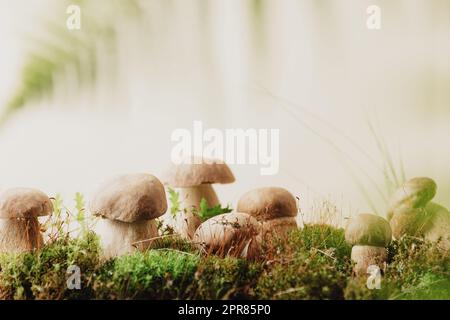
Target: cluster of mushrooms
<point>130,208</point>
<point>410,213</point>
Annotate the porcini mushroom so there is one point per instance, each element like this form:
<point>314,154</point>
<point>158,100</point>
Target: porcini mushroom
<point>233,234</point>
<point>413,194</point>
<point>407,212</point>
<point>370,235</point>
<point>438,227</point>
<point>19,225</point>
<point>193,181</point>
<point>128,206</point>
<point>275,208</point>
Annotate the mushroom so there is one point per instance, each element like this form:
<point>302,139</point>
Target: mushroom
<point>438,229</point>
<point>274,207</point>
<point>413,194</point>
<point>234,234</point>
<point>407,212</point>
<point>19,225</point>
<point>128,206</point>
<point>370,235</point>
<point>193,183</point>
<point>409,221</point>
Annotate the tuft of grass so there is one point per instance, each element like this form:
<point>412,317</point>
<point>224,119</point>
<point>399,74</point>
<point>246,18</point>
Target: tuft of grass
<point>312,263</point>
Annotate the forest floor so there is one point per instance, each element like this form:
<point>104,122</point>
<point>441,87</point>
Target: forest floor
<point>312,263</point>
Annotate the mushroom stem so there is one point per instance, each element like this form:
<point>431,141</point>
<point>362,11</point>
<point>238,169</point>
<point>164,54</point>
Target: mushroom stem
<point>118,237</point>
<point>192,196</point>
<point>20,234</point>
<point>365,256</point>
<point>187,221</point>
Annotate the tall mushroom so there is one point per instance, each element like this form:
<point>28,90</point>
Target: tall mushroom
<point>370,235</point>
<point>274,207</point>
<point>193,181</point>
<point>19,225</point>
<point>234,234</point>
<point>128,206</point>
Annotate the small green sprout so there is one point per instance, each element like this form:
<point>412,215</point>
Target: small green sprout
<point>174,198</point>
<point>205,212</point>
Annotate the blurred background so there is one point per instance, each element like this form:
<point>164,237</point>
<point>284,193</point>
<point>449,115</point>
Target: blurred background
<point>358,110</point>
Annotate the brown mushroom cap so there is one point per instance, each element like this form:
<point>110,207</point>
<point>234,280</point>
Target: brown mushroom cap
<point>130,198</point>
<point>268,203</point>
<point>24,203</point>
<point>414,193</point>
<point>368,230</point>
<point>198,171</point>
<point>223,231</point>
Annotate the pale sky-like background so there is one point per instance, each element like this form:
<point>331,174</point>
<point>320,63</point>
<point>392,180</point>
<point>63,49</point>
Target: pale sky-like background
<point>204,66</point>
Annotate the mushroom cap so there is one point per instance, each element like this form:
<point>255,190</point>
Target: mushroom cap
<point>268,203</point>
<point>198,171</point>
<point>130,198</point>
<point>226,230</point>
<point>368,230</point>
<point>24,203</point>
<point>410,221</point>
<point>414,193</point>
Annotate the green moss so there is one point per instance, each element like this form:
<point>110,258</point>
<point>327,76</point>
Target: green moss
<point>42,274</point>
<point>149,275</point>
<point>415,270</point>
<point>312,263</point>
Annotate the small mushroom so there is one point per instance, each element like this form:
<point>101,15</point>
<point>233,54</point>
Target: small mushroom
<point>230,234</point>
<point>370,235</point>
<point>407,213</point>
<point>409,221</point>
<point>193,181</point>
<point>274,207</point>
<point>438,229</point>
<point>128,206</point>
<point>413,194</point>
<point>19,225</point>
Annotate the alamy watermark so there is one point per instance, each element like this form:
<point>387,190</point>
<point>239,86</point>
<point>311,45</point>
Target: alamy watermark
<point>73,21</point>
<point>234,146</point>
<point>73,277</point>
<point>374,19</point>
<point>374,279</point>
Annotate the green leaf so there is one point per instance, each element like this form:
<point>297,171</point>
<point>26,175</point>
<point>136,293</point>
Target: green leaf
<point>174,198</point>
<point>205,212</point>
